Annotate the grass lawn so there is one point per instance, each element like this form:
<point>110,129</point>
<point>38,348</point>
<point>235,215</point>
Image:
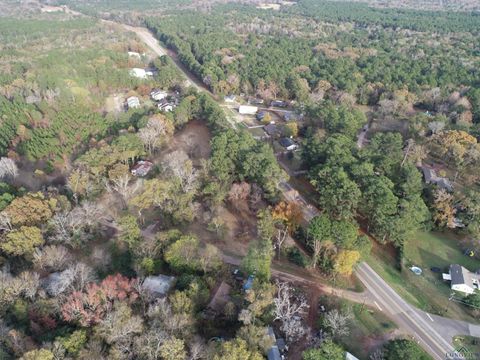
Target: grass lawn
<point>472,344</point>
<point>369,328</point>
<point>427,291</point>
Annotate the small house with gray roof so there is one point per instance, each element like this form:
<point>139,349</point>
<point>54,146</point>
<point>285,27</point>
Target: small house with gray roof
<point>461,279</point>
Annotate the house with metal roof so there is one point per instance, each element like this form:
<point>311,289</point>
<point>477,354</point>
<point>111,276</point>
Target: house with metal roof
<point>461,279</point>
<point>288,143</point>
<point>133,102</point>
<point>431,177</point>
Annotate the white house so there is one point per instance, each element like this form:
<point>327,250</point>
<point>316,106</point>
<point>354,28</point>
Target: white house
<point>133,102</point>
<point>247,110</point>
<point>138,73</point>
<point>462,279</point>
<point>158,95</point>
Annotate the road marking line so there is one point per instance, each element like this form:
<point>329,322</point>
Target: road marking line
<point>388,292</point>
<point>430,317</point>
<point>379,308</point>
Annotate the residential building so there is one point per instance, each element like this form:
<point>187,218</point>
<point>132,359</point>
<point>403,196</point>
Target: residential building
<point>271,129</point>
<point>260,115</point>
<point>142,168</point>
<point>247,110</point>
<point>158,95</point>
<point>166,106</point>
<point>461,279</point>
<point>220,298</point>
<point>431,177</point>
<point>278,103</point>
<point>288,144</point>
<point>133,102</point>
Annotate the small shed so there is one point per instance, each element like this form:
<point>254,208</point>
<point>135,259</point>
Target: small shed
<point>138,73</point>
<point>134,54</point>
<point>142,168</point>
<point>133,102</point>
<point>229,98</point>
<point>159,285</point>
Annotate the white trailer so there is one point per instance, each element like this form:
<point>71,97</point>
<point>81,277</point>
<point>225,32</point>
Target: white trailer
<point>247,110</point>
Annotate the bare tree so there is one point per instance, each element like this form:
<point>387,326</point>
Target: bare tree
<point>279,239</point>
<point>148,344</point>
<point>151,135</point>
<point>5,222</point>
<point>288,310</point>
<point>76,277</point>
<point>29,282</point>
<point>121,185</point>
<point>293,328</point>
<point>101,258</point>
<point>436,126</point>
<point>197,350</point>
<point>337,322</point>
<point>8,169</point>
<point>377,355</point>
<point>239,191</point>
<point>52,257</point>
<point>119,325</point>
<point>179,165</point>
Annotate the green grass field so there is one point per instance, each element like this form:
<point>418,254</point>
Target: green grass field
<point>427,291</point>
<point>369,328</point>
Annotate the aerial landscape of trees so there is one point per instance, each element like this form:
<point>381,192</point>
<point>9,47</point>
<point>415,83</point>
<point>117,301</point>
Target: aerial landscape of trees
<point>136,232</point>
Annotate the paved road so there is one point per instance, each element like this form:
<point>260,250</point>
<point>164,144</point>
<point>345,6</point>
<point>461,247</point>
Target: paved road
<point>416,322</point>
<point>433,333</point>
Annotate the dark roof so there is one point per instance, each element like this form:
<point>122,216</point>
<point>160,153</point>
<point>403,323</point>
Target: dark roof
<point>270,129</point>
<point>444,183</point>
<point>274,353</point>
<point>281,344</point>
<point>286,142</point>
<point>459,275</point>
<point>429,174</point>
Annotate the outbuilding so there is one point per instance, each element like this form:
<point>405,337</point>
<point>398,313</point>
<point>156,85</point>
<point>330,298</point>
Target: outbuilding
<point>138,73</point>
<point>142,168</point>
<point>133,102</point>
